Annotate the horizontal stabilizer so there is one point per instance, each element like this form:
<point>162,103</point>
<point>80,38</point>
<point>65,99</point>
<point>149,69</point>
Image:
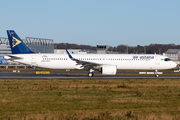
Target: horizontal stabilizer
<point>11,57</point>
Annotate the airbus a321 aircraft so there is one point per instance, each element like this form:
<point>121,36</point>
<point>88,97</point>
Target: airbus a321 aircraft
<point>107,64</point>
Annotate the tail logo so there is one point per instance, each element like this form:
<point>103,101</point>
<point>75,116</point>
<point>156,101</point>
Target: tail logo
<point>15,42</point>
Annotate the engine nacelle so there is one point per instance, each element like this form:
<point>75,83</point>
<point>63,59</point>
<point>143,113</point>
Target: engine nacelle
<point>109,70</point>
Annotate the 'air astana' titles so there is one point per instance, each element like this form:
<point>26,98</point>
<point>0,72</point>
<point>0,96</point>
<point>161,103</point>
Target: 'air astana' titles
<point>143,57</point>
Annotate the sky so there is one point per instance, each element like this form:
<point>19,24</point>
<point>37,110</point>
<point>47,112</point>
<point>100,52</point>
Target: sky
<point>94,22</point>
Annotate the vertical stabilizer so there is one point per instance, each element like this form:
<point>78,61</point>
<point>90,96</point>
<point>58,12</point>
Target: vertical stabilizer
<point>17,45</point>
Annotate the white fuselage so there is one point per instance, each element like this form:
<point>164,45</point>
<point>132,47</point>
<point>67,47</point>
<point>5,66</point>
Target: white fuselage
<point>122,61</point>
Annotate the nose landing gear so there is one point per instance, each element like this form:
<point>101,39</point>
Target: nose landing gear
<point>156,74</point>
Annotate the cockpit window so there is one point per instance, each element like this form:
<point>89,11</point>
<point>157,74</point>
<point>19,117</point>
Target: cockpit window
<point>167,59</point>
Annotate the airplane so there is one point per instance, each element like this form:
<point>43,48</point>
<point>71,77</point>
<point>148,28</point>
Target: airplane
<point>3,61</point>
<point>107,64</point>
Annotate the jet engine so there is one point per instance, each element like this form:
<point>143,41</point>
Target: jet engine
<point>109,70</point>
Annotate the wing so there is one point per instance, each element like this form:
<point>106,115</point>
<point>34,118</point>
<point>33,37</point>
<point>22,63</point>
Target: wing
<point>86,64</point>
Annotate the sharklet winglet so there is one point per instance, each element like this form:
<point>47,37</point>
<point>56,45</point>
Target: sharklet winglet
<point>69,54</point>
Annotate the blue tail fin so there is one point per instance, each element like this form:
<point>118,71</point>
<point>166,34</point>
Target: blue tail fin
<point>17,45</point>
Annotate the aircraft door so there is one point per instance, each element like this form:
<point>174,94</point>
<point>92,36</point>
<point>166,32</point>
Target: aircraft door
<point>157,60</point>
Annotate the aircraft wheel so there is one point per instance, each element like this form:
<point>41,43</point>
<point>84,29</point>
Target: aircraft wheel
<point>90,74</point>
<point>157,76</point>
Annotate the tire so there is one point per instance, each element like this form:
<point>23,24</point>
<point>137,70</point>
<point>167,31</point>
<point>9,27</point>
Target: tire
<point>90,74</point>
<point>156,76</point>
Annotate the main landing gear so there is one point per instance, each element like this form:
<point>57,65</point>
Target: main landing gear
<point>91,73</point>
<point>156,74</point>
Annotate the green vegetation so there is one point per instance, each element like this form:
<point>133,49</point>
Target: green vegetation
<point>90,99</point>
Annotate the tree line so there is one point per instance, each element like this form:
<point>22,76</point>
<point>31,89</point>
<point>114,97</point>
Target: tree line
<point>148,49</point>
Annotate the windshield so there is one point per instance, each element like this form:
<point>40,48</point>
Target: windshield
<point>167,59</point>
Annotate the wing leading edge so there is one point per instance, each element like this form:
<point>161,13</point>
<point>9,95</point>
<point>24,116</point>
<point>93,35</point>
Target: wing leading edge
<point>83,63</point>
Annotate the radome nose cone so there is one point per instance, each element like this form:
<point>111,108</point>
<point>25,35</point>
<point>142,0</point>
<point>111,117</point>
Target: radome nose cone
<point>174,64</point>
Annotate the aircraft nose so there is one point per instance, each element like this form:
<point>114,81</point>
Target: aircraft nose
<point>174,65</point>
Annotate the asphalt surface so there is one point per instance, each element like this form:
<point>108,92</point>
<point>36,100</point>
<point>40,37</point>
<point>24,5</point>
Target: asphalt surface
<point>41,76</point>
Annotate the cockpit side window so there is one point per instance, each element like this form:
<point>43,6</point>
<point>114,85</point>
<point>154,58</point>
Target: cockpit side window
<point>167,59</point>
